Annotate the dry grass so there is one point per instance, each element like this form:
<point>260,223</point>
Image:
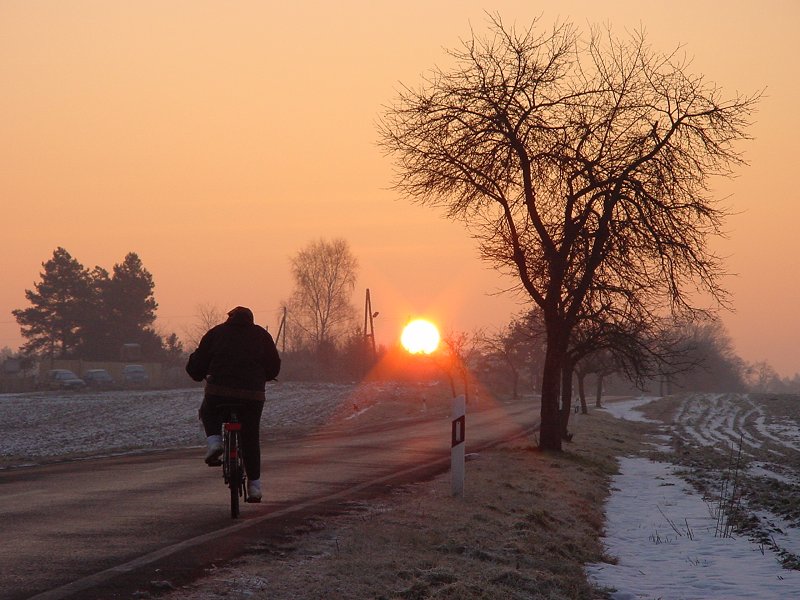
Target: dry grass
<point>526,525</point>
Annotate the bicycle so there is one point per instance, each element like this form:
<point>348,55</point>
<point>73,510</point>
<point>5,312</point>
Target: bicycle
<point>233,472</point>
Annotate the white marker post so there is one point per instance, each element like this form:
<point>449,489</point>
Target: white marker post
<point>457,445</point>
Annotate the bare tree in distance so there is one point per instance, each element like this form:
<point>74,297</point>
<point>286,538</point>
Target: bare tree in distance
<point>601,364</point>
<point>207,315</point>
<point>504,346</point>
<point>460,348</point>
<point>616,327</point>
<point>762,377</point>
<point>518,345</point>
<point>320,307</point>
<point>709,351</point>
<point>569,156</point>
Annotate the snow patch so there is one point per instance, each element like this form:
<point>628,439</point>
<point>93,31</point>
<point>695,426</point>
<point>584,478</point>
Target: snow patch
<point>663,537</point>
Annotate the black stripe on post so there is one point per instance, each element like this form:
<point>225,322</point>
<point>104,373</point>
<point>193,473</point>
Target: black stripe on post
<point>458,431</point>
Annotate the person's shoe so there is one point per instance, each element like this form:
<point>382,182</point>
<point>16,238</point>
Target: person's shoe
<point>214,451</point>
<point>254,491</point>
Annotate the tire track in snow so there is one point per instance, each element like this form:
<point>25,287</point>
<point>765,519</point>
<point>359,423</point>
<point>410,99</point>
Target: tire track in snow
<point>734,419</point>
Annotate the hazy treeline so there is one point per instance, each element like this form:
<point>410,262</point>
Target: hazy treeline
<point>90,314</point>
<point>509,362</point>
<point>701,358</point>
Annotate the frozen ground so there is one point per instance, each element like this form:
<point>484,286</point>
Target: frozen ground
<point>48,426</point>
<point>661,521</point>
<point>666,535</point>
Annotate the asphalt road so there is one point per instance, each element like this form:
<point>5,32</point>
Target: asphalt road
<point>115,527</point>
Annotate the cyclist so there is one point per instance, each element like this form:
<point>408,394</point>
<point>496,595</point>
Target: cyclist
<point>236,359</point>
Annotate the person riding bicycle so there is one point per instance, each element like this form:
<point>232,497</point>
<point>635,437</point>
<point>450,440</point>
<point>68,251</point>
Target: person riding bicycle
<point>236,359</point>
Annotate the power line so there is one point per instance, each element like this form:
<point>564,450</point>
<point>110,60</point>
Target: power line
<point>158,316</point>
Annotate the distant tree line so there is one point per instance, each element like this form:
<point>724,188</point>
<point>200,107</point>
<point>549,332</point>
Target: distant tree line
<point>321,339</point>
<point>694,356</point>
<point>75,312</point>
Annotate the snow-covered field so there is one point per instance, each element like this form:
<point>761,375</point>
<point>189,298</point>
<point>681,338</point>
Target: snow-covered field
<point>48,426</point>
<point>668,536</point>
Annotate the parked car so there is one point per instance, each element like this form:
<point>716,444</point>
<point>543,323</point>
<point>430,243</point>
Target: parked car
<point>135,375</point>
<point>99,378</point>
<point>64,379</point>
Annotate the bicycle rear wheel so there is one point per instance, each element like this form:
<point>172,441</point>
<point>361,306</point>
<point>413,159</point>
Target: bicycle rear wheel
<point>233,464</point>
<point>235,485</point>
<point>235,468</point>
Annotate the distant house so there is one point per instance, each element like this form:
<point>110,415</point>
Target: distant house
<point>12,366</point>
<point>130,352</point>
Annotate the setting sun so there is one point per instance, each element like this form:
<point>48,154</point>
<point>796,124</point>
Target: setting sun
<point>420,336</point>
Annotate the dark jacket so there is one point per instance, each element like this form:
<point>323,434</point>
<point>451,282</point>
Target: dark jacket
<point>237,354</point>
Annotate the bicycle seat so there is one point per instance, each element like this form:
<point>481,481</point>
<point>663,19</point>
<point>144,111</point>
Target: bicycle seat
<point>228,408</point>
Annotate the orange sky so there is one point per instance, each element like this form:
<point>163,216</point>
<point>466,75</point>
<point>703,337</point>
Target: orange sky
<point>215,139</point>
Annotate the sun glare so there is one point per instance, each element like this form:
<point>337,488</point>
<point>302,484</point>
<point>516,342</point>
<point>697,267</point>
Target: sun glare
<point>420,336</point>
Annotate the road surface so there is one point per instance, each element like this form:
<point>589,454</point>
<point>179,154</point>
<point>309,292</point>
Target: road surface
<point>109,527</point>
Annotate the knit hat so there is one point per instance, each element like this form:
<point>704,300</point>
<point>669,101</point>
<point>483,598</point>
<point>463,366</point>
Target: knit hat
<point>240,314</point>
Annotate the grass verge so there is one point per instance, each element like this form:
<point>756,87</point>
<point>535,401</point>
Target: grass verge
<point>525,527</point>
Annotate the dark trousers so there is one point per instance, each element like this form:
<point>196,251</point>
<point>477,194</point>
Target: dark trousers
<point>249,412</point>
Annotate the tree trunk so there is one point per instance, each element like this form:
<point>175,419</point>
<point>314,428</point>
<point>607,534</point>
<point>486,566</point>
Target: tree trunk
<point>582,393</point>
<point>452,381</point>
<point>550,427</point>
<point>536,379</point>
<point>665,387</point>
<point>598,399</point>
<point>566,399</point>
<point>515,383</point>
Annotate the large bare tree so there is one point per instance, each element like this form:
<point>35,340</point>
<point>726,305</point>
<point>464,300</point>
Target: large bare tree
<point>572,157</point>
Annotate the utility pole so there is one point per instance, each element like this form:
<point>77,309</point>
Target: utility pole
<point>369,325</point>
<point>282,332</point>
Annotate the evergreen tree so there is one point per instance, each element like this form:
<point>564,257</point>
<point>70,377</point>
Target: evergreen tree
<point>173,350</point>
<point>130,307</point>
<point>60,305</point>
<point>96,333</point>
